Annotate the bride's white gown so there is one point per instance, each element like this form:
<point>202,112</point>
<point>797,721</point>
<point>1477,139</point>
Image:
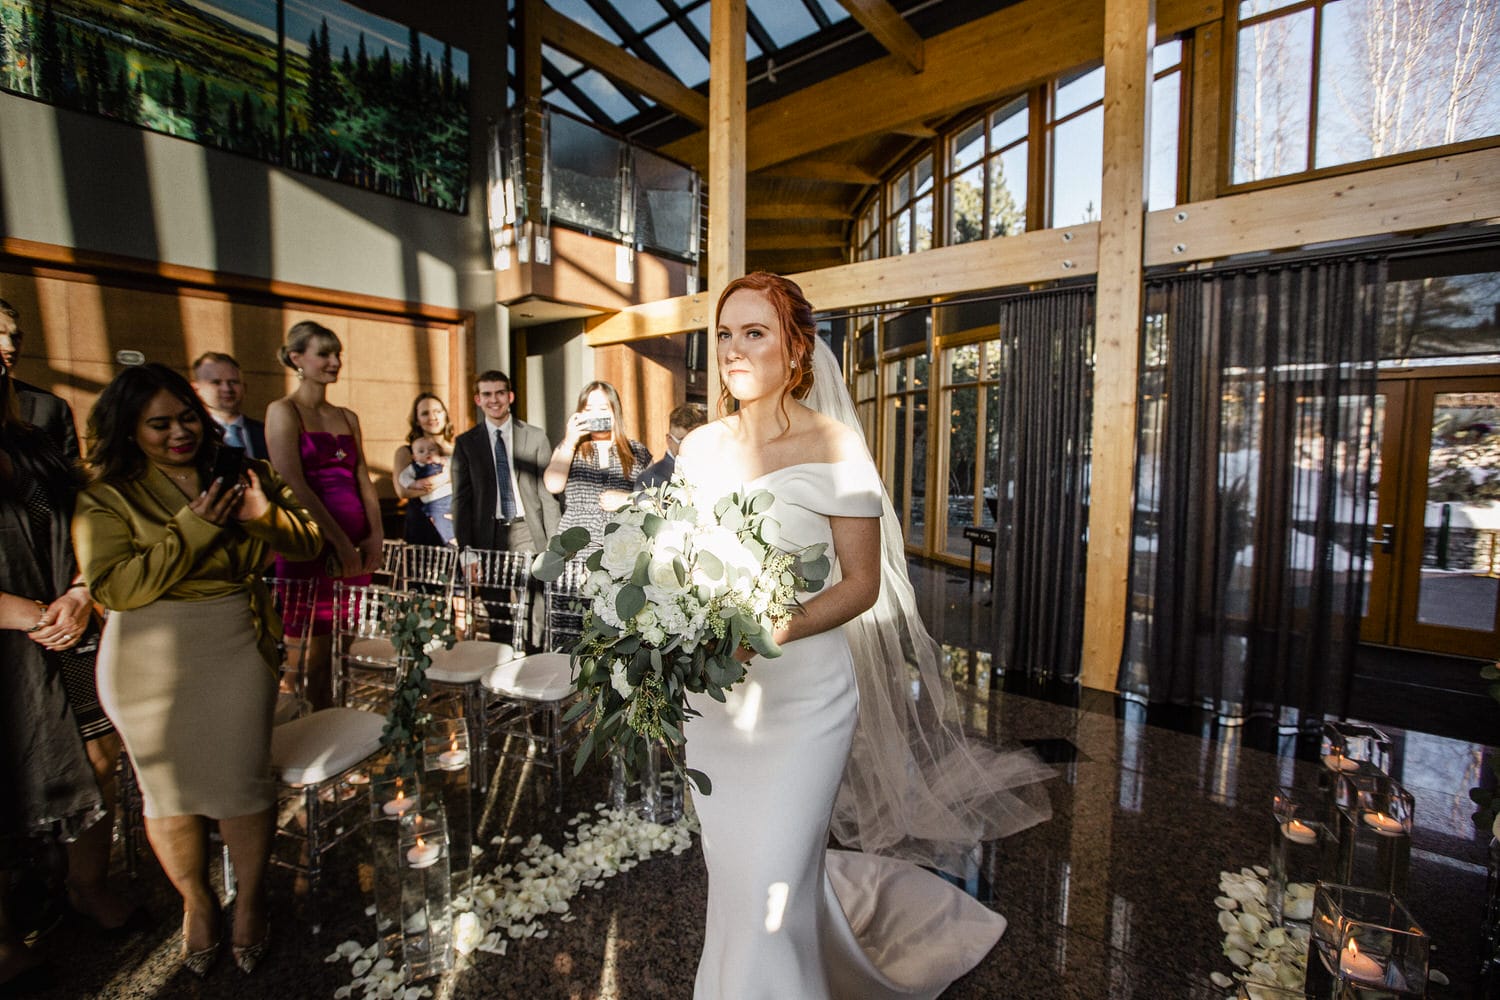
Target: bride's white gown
<point>787,918</point>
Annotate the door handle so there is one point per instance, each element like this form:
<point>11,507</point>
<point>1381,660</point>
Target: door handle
<point>1388,543</point>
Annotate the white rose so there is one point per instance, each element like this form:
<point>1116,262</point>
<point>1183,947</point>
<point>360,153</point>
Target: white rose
<point>654,635</point>
<point>660,573</point>
<point>618,682</point>
<point>620,549</point>
<point>646,618</point>
<point>1495,828</point>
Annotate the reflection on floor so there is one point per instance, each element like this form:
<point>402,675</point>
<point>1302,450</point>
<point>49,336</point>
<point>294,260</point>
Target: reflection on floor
<point>1111,898</point>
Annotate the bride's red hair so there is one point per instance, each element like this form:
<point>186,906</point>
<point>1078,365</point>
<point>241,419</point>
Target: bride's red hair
<point>794,313</point>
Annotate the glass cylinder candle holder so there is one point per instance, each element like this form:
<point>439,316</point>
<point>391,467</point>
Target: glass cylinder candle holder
<point>446,777</point>
<point>392,796</point>
<point>1365,945</point>
<point>1375,824</point>
<point>654,794</point>
<point>1304,848</point>
<point>1352,743</point>
<point>426,896</point>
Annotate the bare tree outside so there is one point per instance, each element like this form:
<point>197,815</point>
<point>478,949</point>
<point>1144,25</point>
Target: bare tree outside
<point>1399,75</point>
<point>1393,76</point>
<point>1272,95</point>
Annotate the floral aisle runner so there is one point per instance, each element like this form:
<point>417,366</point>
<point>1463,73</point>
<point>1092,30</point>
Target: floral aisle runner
<point>510,902</point>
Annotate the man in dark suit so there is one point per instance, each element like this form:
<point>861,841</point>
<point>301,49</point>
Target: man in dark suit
<point>679,422</point>
<point>507,509</point>
<point>39,407</point>
<point>216,379</point>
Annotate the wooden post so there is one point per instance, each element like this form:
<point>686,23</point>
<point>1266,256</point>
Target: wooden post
<point>726,163</point>
<point>1129,36</point>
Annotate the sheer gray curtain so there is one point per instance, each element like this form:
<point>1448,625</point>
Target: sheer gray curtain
<point>1040,440</point>
<point>1256,403</point>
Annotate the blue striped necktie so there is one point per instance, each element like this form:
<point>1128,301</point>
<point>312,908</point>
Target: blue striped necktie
<point>502,478</point>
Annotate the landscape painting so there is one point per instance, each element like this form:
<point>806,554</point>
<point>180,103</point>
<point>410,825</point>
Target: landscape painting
<point>366,101</point>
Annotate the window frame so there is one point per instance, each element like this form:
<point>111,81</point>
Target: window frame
<point>1228,83</point>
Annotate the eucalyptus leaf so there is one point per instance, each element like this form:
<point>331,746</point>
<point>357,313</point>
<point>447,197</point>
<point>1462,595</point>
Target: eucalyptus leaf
<point>629,602</point>
<point>700,781</point>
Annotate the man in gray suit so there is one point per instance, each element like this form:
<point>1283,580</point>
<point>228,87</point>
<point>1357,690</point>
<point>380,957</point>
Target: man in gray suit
<point>39,407</point>
<point>490,512</point>
<point>499,501</point>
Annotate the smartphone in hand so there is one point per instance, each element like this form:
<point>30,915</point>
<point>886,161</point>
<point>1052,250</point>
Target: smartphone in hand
<point>228,463</point>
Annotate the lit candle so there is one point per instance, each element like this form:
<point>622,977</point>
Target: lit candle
<point>1298,832</point>
<point>1338,762</point>
<point>453,759</point>
<point>423,854</point>
<point>1386,826</point>
<point>1358,966</point>
<point>400,804</point>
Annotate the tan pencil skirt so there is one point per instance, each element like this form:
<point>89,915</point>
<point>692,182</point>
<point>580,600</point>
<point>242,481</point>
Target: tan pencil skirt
<point>185,685</point>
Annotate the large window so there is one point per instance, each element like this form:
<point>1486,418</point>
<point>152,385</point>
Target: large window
<point>969,378</point>
<point>867,232</point>
<point>1324,83</point>
<point>1166,124</point>
<point>1075,127</point>
<point>910,197</point>
<point>986,177</point>
<point>905,446</point>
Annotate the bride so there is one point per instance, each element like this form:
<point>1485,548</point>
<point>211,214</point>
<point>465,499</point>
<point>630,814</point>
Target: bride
<point>852,730</point>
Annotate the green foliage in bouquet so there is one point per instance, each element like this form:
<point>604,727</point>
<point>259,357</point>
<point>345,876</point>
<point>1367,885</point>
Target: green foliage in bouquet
<point>674,591</point>
<point>419,623</point>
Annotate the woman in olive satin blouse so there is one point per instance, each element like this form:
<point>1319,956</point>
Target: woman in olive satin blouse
<point>187,663</point>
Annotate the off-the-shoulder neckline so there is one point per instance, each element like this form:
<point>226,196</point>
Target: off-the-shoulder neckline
<point>803,465</point>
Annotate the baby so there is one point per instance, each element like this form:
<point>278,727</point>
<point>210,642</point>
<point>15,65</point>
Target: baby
<point>427,459</point>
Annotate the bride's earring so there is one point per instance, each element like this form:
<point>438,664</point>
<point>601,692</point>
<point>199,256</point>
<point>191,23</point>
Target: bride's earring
<point>299,374</point>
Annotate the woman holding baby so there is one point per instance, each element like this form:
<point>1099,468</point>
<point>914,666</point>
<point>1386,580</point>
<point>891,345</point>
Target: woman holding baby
<point>422,480</point>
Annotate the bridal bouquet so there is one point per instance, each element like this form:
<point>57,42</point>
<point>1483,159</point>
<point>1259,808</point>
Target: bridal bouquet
<point>674,590</point>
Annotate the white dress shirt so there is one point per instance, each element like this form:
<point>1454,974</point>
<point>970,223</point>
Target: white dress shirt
<point>506,430</point>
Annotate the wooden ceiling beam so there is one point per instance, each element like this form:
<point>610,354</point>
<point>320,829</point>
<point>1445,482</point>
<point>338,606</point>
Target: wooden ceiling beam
<point>794,241</point>
<point>828,171</point>
<point>804,210</point>
<point>890,29</point>
<point>989,58</point>
<point>566,35</point>
<point>915,130</point>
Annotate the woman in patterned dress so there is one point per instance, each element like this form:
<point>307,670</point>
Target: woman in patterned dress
<point>595,466</point>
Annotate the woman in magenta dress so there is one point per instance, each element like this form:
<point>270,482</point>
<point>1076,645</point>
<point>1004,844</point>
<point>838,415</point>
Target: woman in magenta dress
<point>317,448</point>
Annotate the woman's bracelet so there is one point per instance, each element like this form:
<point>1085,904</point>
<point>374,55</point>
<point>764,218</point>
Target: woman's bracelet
<point>78,585</point>
<point>41,616</point>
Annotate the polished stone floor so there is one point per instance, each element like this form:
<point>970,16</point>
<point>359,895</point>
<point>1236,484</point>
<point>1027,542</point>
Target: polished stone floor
<point>1111,898</point>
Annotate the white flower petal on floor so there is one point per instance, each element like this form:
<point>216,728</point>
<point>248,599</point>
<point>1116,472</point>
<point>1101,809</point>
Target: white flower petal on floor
<point>505,903</point>
<point>1264,953</point>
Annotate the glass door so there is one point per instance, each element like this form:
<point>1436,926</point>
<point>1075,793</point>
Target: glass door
<point>1435,561</point>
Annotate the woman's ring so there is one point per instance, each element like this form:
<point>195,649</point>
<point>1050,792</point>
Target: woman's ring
<point>68,637</point>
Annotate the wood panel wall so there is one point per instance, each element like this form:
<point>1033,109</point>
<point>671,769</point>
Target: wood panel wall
<point>76,320</point>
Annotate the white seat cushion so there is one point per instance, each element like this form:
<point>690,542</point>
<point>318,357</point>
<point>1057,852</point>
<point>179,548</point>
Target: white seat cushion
<point>539,677</point>
<point>324,744</point>
<point>468,661</point>
<point>373,651</point>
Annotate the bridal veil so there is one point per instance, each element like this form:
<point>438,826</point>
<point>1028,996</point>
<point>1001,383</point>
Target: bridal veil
<point>915,786</point>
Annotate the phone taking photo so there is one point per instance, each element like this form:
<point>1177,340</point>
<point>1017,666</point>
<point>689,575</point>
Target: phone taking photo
<point>228,463</point>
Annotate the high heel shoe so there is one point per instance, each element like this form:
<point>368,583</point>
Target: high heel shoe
<point>200,962</point>
<point>247,957</point>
